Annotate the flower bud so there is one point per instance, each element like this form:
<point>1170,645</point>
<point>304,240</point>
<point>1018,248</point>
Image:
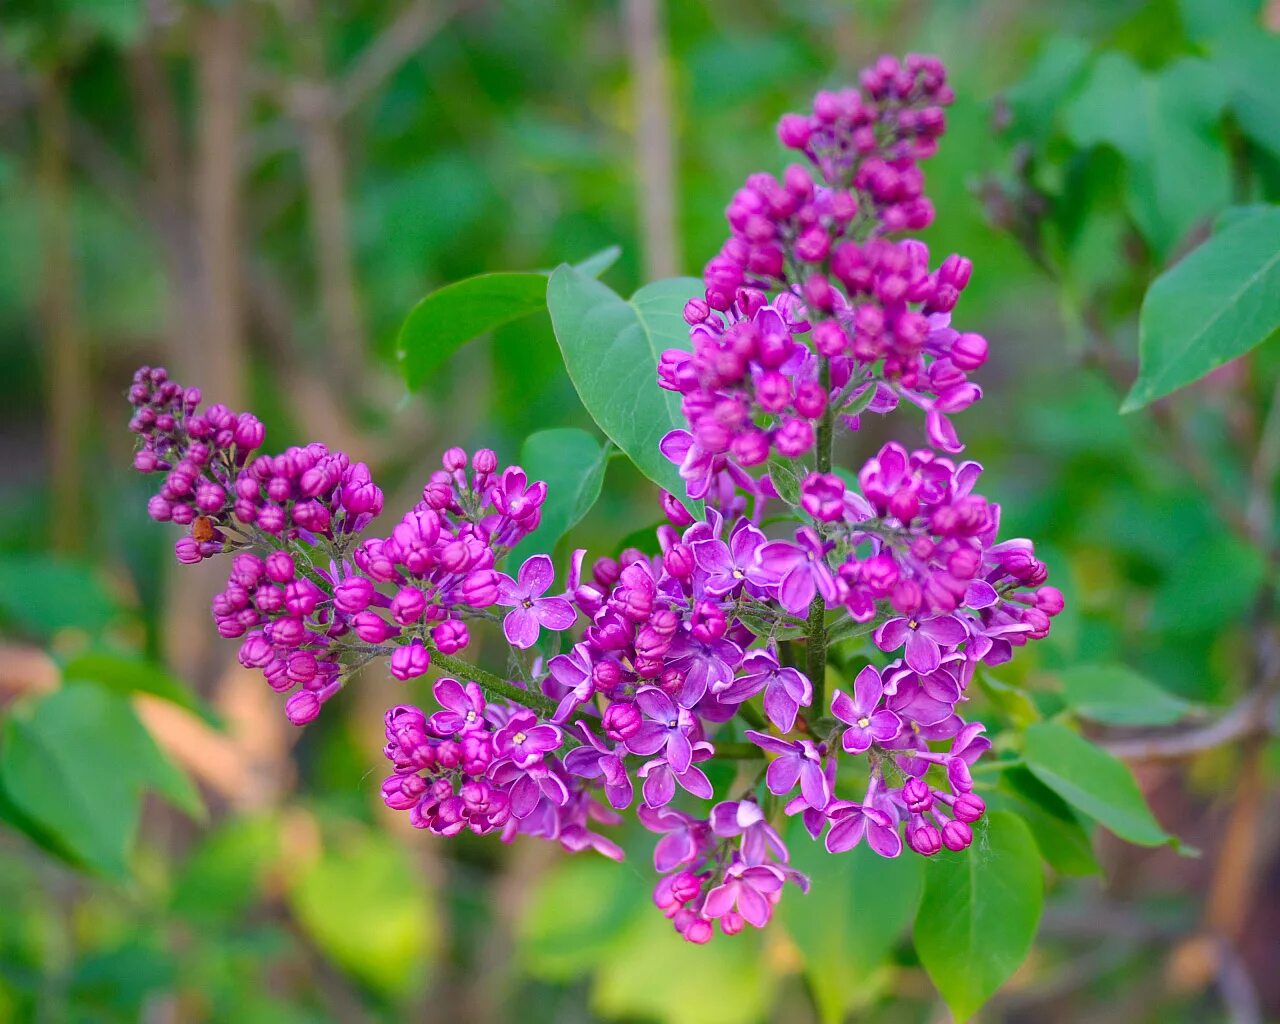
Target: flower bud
<point>969,807</point>
<point>622,720</point>
<point>450,636</point>
<point>410,660</point>
<point>956,835</point>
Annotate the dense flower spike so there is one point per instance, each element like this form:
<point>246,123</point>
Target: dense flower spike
<point>713,647</point>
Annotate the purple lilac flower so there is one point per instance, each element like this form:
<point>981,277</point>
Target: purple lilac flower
<point>786,690</point>
<point>529,609</point>
<point>796,572</point>
<point>749,889</point>
<point>595,760</point>
<point>726,565</point>
<point>867,721</point>
<point>796,761</point>
<point>924,638</point>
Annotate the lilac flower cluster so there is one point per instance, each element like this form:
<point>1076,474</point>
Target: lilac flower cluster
<point>200,453</point>
<point>714,650</point>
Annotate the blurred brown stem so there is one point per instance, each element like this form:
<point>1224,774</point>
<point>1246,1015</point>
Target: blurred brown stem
<point>67,373</point>
<point>313,105</point>
<point>655,148</point>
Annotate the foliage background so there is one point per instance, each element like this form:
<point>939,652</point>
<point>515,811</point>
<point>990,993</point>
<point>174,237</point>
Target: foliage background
<point>255,194</point>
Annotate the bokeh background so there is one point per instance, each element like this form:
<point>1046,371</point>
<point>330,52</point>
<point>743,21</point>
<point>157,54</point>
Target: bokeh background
<point>255,192</point>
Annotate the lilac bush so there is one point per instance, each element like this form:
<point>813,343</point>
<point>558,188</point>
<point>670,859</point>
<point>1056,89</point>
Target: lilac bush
<point>817,313</point>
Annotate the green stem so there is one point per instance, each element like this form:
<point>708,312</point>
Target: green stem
<point>816,632</point>
<point>491,684</point>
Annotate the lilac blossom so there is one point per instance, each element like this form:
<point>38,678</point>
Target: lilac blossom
<point>867,721</point>
<point>530,611</point>
<point>786,690</point>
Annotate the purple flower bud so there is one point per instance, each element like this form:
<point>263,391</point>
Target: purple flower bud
<point>956,836</point>
<point>484,461</point>
<point>372,628</point>
<point>480,588</point>
<point>731,922</point>
<point>280,567</point>
<point>302,707</point>
<point>410,660</point>
<point>249,431</point>
<point>794,131</point>
<point>822,496</point>
<point>454,459</point>
<point>793,438</point>
<point>353,595</point>
<point>969,807</point>
<point>187,551</point>
<point>450,636</point>
<point>400,792</point>
<point>917,795</point>
<point>622,720</point>
<point>408,605</point>
<point>675,512</point>
<point>678,561</point>
<point>925,840</point>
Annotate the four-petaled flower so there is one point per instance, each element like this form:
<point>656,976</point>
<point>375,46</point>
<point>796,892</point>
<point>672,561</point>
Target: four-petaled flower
<point>850,822</point>
<point>923,637</point>
<point>530,611</point>
<point>797,761</point>
<point>594,760</point>
<point>786,690</point>
<point>750,889</point>
<point>463,708</point>
<point>867,722</point>
<point>525,740</point>
<point>726,565</point>
<point>795,571</point>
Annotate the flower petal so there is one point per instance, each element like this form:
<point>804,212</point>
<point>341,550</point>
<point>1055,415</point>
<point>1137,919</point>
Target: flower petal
<point>536,575</point>
<point>521,627</point>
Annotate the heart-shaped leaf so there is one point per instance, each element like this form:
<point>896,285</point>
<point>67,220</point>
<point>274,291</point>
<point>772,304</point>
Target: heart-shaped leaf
<point>979,912</point>
<point>611,348</point>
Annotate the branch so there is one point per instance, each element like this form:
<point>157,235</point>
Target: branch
<point>655,159</point>
<point>378,61</point>
<point>1251,716</point>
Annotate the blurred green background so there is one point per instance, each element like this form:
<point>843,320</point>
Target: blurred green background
<point>255,194</point>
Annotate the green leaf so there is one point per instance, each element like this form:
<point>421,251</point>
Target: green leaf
<point>366,905</point>
<point>1117,695</point>
<point>655,975</point>
<point>611,348</point>
<point>128,673</point>
<point>1234,215</point>
<point>597,263</point>
<point>45,595</point>
<point>451,316</point>
<point>77,762</point>
<point>1064,840</point>
<point>561,936</point>
<point>1166,125</point>
<point>1013,702</point>
<point>785,481</point>
<point>572,463</point>
<point>846,926</point>
<point>979,912</point>
<point>1092,781</point>
<point>1037,97</point>
<point>1219,302</point>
